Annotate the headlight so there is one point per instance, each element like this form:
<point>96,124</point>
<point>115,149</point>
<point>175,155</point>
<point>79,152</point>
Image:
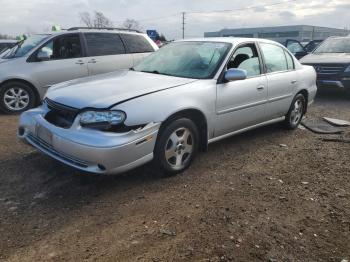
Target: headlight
<point>102,119</point>
<point>347,70</point>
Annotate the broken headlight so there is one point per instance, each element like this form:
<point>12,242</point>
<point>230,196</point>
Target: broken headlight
<point>102,119</point>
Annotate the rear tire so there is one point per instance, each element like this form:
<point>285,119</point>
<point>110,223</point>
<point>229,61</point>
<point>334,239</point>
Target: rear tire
<point>16,97</point>
<point>296,112</point>
<point>176,146</point>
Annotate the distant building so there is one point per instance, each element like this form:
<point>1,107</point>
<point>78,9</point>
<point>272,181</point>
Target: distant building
<point>302,33</point>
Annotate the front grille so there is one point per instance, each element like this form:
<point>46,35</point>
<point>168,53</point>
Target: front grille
<point>41,144</point>
<point>329,69</point>
<point>60,115</point>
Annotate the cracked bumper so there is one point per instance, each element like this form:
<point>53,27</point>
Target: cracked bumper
<point>86,149</point>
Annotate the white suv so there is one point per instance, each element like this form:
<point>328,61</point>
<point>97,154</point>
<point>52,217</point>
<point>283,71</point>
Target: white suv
<point>33,65</point>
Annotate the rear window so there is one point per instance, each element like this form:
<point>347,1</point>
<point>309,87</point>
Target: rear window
<point>137,43</point>
<point>101,44</point>
<point>290,62</point>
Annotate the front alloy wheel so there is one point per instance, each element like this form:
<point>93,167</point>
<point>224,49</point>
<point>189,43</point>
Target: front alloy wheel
<point>176,146</point>
<point>179,148</point>
<point>16,97</point>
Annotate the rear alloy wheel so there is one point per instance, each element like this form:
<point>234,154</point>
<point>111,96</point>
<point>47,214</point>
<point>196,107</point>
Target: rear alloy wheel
<point>177,146</point>
<point>296,112</point>
<point>16,97</point>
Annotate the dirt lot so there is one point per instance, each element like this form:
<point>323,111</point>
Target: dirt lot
<point>246,199</point>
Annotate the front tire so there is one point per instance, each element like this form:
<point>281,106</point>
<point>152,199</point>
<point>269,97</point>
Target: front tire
<point>16,97</point>
<point>176,146</point>
<point>296,112</point>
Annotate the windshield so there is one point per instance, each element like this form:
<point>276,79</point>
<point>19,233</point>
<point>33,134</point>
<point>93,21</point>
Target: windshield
<point>334,45</point>
<point>199,60</point>
<point>23,47</point>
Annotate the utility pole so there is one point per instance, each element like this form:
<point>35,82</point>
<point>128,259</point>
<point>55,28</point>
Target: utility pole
<point>183,25</point>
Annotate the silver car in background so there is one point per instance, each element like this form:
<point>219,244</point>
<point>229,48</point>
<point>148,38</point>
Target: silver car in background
<point>40,61</point>
<point>174,103</point>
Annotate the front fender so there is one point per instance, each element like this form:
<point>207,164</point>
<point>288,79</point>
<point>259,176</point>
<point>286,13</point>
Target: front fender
<point>159,106</point>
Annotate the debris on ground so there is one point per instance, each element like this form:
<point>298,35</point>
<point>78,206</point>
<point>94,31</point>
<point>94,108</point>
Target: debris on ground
<point>337,122</point>
<point>319,126</point>
<point>167,232</point>
<point>340,140</point>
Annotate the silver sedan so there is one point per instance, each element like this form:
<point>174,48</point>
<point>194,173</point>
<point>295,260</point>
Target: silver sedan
<point>171,105</point>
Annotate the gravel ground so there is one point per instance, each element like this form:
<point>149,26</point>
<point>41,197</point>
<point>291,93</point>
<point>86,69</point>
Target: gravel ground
<point>248,198</point>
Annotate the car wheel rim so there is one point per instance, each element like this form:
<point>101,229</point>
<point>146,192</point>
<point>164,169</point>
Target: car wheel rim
<point>16,99</point>
<point>179,148</point>
<point>297,112</point>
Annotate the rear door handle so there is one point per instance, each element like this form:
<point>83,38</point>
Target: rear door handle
<point>92,61</point>
<point>260,88</point>
<point>80,62</point>
<point>294,82</point>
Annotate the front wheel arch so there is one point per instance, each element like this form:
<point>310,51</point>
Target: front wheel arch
<point>35,91</point>
<point>198,118</point>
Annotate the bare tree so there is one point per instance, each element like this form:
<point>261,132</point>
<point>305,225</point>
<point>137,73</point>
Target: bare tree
<point>132,24</point>
<point>86,19</point>
<point>102,21</point>
<point>98,20</point>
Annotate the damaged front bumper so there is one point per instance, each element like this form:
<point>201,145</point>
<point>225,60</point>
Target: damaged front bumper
<point>87,149</point>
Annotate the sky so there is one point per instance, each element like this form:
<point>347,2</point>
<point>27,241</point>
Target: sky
<point>37,16</point>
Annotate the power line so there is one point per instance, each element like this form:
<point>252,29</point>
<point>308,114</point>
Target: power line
<point>240,9</point>
<point>183,25</point>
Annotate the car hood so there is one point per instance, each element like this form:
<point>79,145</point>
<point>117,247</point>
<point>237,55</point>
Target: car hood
<point>326,58</point>
<point>105,90</point>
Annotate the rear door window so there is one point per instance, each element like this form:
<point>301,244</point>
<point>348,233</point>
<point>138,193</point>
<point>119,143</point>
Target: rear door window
<point>275,59</point>
<point>137,43</point>
<point>102,44</point>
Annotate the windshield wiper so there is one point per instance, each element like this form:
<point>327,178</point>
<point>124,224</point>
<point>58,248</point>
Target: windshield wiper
<point>14,51</point>
<point>151,72</point>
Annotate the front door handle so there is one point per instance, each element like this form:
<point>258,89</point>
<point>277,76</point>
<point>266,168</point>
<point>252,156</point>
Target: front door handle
<point>92,61</point>
<point>80,62</point>
<point>260,88</point>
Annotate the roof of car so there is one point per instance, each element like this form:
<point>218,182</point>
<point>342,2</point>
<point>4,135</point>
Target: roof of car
<point>8,41</point>
<point>231,40</point>
<point>96,30</point>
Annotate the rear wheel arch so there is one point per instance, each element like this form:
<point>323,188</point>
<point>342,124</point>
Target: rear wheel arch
<point>32,87</point>
<point>305,93</point>
<point>199,120</point>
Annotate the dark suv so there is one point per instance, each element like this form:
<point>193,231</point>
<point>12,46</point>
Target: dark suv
<point>331,61</point>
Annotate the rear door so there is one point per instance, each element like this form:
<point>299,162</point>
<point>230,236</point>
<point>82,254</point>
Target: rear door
<point>282,79</point>
<point>138,46</point>
<point>66,61</point>
<point>106,53</point>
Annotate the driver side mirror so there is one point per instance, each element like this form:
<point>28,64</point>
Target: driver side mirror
<point>234,74</point>
<point>43,55</point>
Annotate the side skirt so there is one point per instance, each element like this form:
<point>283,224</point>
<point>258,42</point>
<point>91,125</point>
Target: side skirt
<point>215,139</point>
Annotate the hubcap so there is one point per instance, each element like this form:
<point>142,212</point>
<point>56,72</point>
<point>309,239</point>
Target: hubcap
<point>16,98</point>
<point>297,112</point>
<point>179,148</point>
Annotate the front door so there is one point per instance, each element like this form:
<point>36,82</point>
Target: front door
<point>65,61</point>
<point>242,103</point>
